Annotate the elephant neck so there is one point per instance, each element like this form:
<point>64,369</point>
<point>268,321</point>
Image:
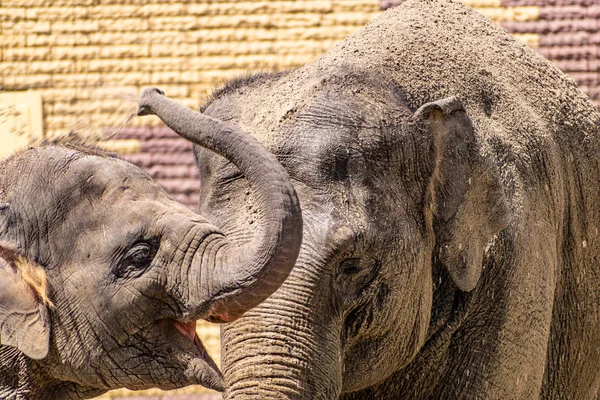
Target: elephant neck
<point>26,379</point>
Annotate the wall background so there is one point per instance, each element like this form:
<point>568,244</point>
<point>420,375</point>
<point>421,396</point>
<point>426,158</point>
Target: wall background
<point>88,61</point>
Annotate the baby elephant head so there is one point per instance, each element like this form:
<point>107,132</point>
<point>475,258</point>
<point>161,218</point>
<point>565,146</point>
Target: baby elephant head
<point>102,273</point>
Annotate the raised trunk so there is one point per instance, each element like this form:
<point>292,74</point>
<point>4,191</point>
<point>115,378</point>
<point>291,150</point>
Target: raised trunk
<point>243,276</point>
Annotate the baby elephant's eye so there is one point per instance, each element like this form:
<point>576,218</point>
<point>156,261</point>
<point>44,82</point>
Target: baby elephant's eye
<point>137,260</point>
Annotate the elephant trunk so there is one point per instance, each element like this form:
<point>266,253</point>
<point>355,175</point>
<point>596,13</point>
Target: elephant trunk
<point>281,350</point>
<point>241,276</point>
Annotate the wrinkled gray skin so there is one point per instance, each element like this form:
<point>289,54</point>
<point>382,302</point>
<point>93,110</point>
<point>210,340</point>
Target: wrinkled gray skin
<point>449,182</point>
<point>129,269</point>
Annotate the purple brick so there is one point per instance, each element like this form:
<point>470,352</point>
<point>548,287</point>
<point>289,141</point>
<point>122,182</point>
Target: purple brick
<point>572,65</point>
<point>571,2</point>
<point>179,185</point>
<point>385,4</point>
<point>513,3</point>
<point>526,27</point>
<point>129,133</point>
<point>563,12</point>
<point>162,132</point>
<point>174,171</point>
<point>586,78</point>
<point>566,39</point>
<point>167,145</point>
<point>569,52</point>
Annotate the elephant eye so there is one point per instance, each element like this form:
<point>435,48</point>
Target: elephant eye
<point>356,275</point>
<point>137,259</point>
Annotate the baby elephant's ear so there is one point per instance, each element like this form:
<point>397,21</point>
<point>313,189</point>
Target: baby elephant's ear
<point>24,316</point>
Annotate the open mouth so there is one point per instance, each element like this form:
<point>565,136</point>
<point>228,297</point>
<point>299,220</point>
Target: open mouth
<point>204,367</point>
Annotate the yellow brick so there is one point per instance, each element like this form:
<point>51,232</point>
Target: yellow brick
<point>124,24</point>
<point>292,20</point>
<point>47,3</point>
<point>357,19</point>
<point>182,23</point>
<point>356,5</point>
<point>125,92</point>
<point>75,53</point>
<point>126,51</point>
<point>143,37</point>
<point>530,39</point>
<point>26,53</point>
<point>13,40</point>
<point>56,13</point>
<point>25,27</point>
<point>267,47</point>
<point>259,7</point>
<point>78,25</point>
<point>171,77</point>
<point>62,39</point>
<point>122,146</point>
<point>77,80</point>
<point>162,10</point>
<point>171,90</point>
<point>51,67</point>
<point>249,62</point>
<point>12,13</point>
<point>75,123</point>
<point>108,65</point>
<point>523,14</point>
<point>126,79</point>
<point>13,68</point>
<point>24,82</point>
<point>218,76</point>
<point>94,105</point>
<point>55,93</point>
<point>158,64</point>
<point>252,35</point>
<point>199,91</point>
<point>161,50</point>
<point>113,11</point>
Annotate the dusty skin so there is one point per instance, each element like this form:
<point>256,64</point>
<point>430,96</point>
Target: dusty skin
<point>449,182</point>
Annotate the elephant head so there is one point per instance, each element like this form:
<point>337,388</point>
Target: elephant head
<point>393,199</point>
<point>103,275</point>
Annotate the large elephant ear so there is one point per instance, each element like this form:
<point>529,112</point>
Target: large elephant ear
<point>466,203</point>
<point>24,316</point>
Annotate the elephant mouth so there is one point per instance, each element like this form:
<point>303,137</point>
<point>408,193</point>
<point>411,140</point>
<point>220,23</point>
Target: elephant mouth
<point>188,346</point>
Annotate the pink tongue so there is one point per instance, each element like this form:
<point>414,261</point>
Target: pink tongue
<point>187,329</point>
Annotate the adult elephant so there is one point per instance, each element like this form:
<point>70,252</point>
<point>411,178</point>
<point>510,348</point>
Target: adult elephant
<point>103,275</point>
<point>449,181</point>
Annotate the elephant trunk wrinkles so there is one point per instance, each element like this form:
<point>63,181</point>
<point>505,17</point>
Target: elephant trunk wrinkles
<point>242,276</point>
<point>300,360</point>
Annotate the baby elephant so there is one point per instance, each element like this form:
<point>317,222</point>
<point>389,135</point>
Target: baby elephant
<point>103,275</point>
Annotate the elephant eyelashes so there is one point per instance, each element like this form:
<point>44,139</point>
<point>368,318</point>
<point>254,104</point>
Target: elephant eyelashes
<point>137,259</point>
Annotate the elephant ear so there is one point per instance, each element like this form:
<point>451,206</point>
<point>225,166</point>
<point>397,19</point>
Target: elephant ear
<point>466,203</point>
<point>24,314</point>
